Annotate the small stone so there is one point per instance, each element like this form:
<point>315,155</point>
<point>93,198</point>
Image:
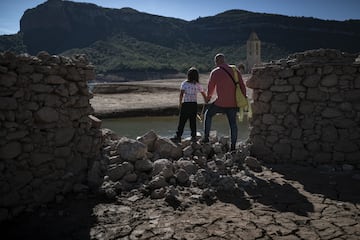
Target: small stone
<point>253,164</point>
<point>182,176</point>
<point>188,151</point>
<point>347,167</point>
<point>10,150</point>
<point>158,193</point>
<point>117,172</point>
<point>131,177</point>
<point>158,182</point>
<point>54,79</point>
<point>47,115</point>
<point>7,103</point>
<point>95,122</point>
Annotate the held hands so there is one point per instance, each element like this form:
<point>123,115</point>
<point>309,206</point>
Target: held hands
<point>207,99</point>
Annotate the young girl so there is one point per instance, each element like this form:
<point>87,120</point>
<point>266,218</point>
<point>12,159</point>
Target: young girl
<point>188,103</point>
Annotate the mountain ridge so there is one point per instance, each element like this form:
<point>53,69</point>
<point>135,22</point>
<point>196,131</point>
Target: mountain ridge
<point>147,42</point>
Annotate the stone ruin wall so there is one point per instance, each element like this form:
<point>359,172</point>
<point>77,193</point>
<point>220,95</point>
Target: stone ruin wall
<point>306,109</point>
<point>47,138</point>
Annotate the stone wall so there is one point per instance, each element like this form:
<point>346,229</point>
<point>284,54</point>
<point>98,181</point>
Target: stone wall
<point>47,138</point>
<point>307,109</point>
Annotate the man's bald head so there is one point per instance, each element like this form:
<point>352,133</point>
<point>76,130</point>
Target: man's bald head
<point>219,59</point>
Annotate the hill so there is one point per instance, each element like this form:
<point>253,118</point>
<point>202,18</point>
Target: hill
<point>128,42</point>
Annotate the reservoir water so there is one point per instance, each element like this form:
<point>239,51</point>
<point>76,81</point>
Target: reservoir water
<point>166,126</point>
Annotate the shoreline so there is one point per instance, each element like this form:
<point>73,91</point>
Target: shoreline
<point>142,98</point>
<point>139,98</point>
<point>138,112</point>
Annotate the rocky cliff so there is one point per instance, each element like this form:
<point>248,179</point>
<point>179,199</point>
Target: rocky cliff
<point>58,25</point>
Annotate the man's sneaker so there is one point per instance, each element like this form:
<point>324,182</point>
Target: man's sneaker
<point>204,140</point>
<point>193,139</point>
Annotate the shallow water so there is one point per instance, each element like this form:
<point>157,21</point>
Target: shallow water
<point>166,126</point>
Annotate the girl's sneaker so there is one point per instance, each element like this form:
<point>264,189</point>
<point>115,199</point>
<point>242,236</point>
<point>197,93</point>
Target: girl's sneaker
<point>176,139</point>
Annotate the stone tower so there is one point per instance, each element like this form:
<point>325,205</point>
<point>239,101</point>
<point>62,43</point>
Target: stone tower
<point>253,51</point>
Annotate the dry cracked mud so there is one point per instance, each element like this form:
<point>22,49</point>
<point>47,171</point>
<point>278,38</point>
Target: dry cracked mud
<point>289,202</point>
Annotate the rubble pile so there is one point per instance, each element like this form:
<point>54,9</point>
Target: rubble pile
<point>159,168</point>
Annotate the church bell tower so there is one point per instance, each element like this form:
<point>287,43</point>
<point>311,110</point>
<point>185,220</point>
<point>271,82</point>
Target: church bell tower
<point>253,51</point>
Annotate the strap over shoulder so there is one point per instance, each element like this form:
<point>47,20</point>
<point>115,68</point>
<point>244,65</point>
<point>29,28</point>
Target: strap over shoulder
<point>235,79</point>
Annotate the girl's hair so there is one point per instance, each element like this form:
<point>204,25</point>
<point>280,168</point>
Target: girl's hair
<point>193,75</point>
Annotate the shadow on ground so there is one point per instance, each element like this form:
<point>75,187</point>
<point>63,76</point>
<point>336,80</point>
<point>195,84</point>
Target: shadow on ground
<point>71,220</point>
<point>236,198</point>
<point>282,197</point>
<point>335,185</point>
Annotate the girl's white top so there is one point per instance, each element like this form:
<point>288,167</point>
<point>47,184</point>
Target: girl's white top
<point>191,90</point>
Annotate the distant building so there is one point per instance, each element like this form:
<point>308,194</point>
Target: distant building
<point>253,52</point>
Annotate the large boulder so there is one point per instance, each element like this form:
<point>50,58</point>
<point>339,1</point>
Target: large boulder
<point>118,171</point>
<point>188,166</point>
<point>143,165</point>
<point>131,150</point>
<point>163,166</point>
<point>165,148</point>
<point>149,139</point>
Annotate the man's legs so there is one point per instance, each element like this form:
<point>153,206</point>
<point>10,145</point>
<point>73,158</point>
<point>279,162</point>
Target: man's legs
<point>231,116</point>
<point>209,113</point>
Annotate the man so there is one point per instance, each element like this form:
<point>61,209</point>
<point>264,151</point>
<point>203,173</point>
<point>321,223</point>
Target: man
<point>221,81</point>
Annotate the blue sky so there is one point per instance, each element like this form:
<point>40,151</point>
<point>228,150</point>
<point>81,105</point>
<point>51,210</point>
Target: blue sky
<point>12,10</point>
